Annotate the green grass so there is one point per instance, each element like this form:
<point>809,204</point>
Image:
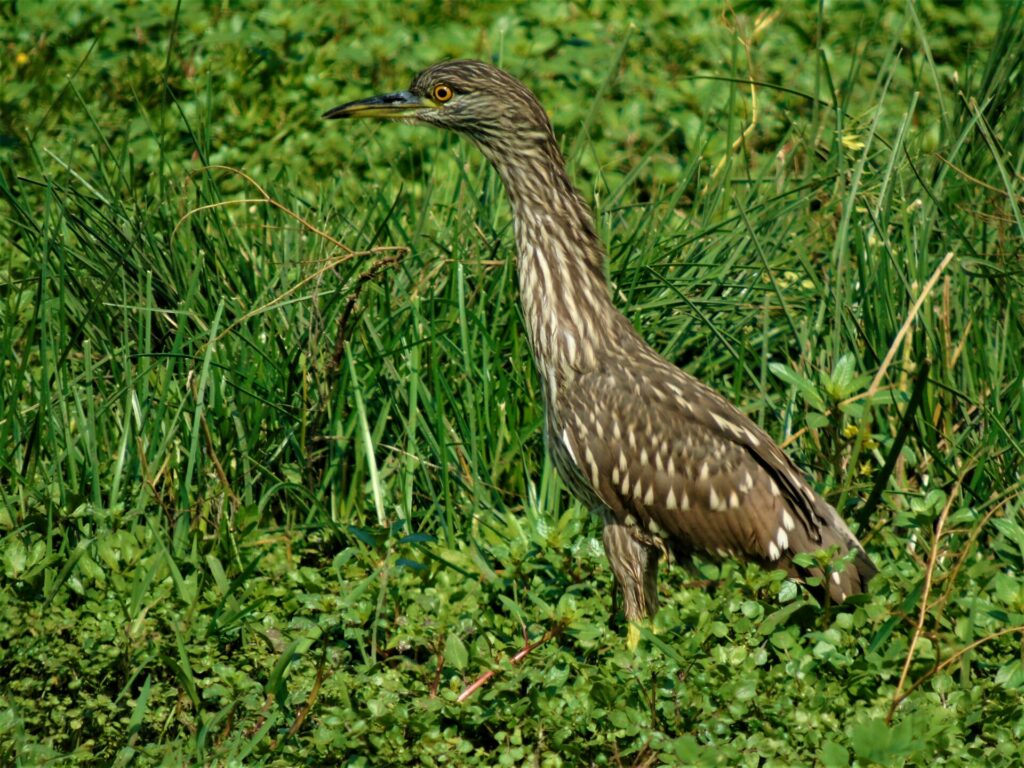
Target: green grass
<point>272,487</point>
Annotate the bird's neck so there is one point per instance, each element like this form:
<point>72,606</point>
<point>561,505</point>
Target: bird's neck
<point>562,287</point>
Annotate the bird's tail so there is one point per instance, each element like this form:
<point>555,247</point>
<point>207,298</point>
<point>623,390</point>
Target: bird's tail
<point>833,532</point>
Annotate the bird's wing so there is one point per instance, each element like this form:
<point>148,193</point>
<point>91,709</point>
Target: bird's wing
<point>671,457</point>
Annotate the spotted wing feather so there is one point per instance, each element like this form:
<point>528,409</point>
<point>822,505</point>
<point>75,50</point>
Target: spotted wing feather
<point>678,463</point>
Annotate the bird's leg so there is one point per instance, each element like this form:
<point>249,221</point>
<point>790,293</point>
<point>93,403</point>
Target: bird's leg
<point>650,596</point>
<point>635,565</point>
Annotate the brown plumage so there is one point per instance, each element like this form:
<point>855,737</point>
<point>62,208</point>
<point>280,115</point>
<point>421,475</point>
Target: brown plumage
<point>668,464</point>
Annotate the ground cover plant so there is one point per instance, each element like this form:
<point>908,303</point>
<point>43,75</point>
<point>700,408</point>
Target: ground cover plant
<point>272,484</point>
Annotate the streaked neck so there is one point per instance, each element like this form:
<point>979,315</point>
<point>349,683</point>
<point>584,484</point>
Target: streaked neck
<point>562,286</point>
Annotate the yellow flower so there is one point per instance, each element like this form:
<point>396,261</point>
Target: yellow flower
<point>852,141</point>
<point>21,58</point>
<point>851,430</point>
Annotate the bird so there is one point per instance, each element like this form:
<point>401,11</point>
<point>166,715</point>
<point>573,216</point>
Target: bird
<point>670,466</point>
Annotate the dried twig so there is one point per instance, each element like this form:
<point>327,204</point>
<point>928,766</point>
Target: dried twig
<point>328,264</point>
<point>763,21</point>
<point>876,383</point>
<point>948,663</point>
<point>314,693</point>
<point>350,305</point>
<point>922,614</point>
<point>264,198</point>
<point>555,631</point>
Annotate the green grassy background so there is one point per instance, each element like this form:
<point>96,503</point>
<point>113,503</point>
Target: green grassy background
<point>272,488</point>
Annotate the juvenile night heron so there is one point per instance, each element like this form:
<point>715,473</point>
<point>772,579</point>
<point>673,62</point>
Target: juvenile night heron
<point>667,463</point>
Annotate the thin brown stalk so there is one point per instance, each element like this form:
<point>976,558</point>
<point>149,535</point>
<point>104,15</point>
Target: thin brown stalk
<point>949,662</point>
<point>264,198</point>
<point>922,613</point>
<point>763,21</point>
<point>967,548</point>
<point>436,683</point>
<point>328,264</point>
<point>876,383</point>
<point>553,632</point>
<point>314,693</point>
<point>974,179</point>
<point>218,467</point>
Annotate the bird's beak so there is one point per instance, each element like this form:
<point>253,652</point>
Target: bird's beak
<point>389,105</point>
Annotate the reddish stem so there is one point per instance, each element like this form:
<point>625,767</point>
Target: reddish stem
<point>556,630</point>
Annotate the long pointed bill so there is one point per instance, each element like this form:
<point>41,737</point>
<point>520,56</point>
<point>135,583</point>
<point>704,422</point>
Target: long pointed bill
<point>389,105</point>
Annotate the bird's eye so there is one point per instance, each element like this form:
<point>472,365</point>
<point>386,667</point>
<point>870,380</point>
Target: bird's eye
<point>442,93</point>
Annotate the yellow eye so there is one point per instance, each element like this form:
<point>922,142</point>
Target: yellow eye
<point>442,93</point>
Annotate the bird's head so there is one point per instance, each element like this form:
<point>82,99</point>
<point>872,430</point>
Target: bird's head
<point>471,97</point>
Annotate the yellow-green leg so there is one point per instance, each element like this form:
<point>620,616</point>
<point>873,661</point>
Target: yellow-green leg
<point>635,565</point>
<point>633,636</point>
<point>635,629</point>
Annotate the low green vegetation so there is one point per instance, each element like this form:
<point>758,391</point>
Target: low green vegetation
<point>272,485</point>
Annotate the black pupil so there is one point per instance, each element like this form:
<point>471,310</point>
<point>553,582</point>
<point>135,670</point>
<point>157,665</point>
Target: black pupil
<point>442,92</point>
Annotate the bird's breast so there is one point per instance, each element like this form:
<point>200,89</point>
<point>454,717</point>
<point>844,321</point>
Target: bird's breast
<point>568,464</point>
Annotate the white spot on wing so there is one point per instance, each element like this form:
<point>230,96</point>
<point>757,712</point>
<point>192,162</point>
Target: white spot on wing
<point>595,477</point>
<point>714,501</point>
<point>782,538</point>
<point>568,447</point>
<point>727,426</point>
